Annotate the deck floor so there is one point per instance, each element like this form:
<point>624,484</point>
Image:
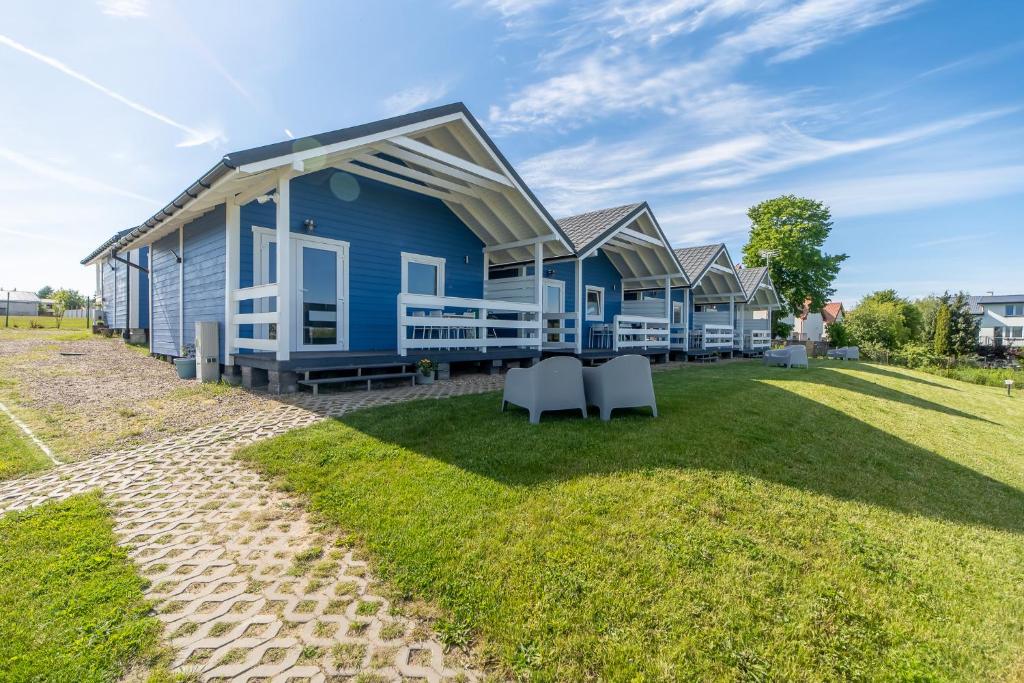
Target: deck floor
<point>319,360</point>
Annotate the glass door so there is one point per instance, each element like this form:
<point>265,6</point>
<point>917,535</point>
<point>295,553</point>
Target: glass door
<point>554,302</point>
<point>320,279</point>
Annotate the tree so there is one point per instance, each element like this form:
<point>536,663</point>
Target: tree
<point>838,334</point>
<point>963,326</point>
<point>941,334</point>
<point>913,321</point>
<point>796,228</point>
<point>65,300</point>
<point>928,308</point>
<point>45,292</point>
<point>878,320</point>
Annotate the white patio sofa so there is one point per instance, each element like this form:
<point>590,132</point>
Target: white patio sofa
<point>845,353</point>
<point>789,356</point>
<point>623,382</point>
<point>552,384</point>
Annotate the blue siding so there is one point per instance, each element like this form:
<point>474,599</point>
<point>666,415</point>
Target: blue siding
<point>379,223</point>
<point>204,273</point>
<point>164,277</point>
<point>599,272</point>
<point>121,297</point>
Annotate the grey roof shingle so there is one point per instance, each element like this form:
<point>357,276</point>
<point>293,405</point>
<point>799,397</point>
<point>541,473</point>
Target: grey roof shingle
<point>15,295</point>
<point>750,278</point>
<point>585,228</point>
<point>1001,299</point>
<point>695,260</point>
<point>974,305</point>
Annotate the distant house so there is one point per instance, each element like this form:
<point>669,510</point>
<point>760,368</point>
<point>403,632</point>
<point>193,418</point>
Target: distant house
<point>813,326</point>
<point>20,303</point>
<point>1000,319</point>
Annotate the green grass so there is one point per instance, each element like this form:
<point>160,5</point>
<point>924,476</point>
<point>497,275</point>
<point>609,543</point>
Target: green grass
<point>847,521</point>
<point>18,454</point>
<point>43,322</point>
<point>993,377</point>
<point>71,604</point>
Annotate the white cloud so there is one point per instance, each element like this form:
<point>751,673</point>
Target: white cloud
<point>53,172</point>
<point>414,98</point>
<point>193,136</point>
<point>611,78</point>
<point>124,8</point>
<point>957,239</point>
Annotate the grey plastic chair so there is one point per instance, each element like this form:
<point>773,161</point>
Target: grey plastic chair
<point>789,356</point>
<point>552,384</point>
<point>623,382</point>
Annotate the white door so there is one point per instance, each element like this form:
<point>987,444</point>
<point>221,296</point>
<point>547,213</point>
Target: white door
<point>320,300</point>
<point>320,304</point>
<point>554,302</point>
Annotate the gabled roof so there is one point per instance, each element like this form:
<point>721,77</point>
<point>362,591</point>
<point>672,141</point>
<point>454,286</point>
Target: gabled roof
<point>696,260</point>
<point>710,261</point>
<point>586,228</point>
<point>442,129</point>
<point>17,296</point>
<point>631,238</point>
<point>830,311</point>
<point>750,278</point>
<point>974,305</point>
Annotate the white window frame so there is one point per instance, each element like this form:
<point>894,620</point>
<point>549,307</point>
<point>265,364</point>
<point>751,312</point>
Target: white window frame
<point>436,261</point>
<point>677,313</point>
<point>586,303</point>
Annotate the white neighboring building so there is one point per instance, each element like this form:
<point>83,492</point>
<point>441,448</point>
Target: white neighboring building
<point>1001,321</point>
<point>811,326</point>
<point>21,303</point>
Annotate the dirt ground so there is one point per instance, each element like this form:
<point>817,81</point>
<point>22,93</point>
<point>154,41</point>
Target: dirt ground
<point>84,395</point>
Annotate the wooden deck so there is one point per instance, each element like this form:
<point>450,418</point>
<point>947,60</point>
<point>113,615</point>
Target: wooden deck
<point>590,355</point>
<point>305,361</point>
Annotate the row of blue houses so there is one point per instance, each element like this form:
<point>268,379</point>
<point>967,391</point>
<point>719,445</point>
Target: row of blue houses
<point>412,237</point>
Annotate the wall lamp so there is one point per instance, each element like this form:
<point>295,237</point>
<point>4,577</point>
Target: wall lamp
<point>309,224</point>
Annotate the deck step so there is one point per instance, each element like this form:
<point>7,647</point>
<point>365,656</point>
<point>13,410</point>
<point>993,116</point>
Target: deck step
<point>315,384</point>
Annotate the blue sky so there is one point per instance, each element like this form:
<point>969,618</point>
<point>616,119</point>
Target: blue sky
<point>905,116</point>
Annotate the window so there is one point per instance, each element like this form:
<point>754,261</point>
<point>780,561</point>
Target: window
<point>1015,332</point>
<point>677,313</point>
<point>595,303</point>
<point>705,308</point>
<point>1012,309</point>
<point>422,274</point>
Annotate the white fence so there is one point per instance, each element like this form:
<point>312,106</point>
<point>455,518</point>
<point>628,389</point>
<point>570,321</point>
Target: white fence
<point>556,335</point>
<point>444,322</point>
<point>712,338</point>
<point>636,332</point>
<point>260,321</point>
<point>647,308</point>
<point>759,339</point>
<point>519,289</point>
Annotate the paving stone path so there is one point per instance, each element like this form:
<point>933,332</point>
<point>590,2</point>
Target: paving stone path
<point>247,586</point>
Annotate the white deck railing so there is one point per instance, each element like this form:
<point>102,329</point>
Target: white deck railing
<point>637,331</point>
<point>258,320</point>
<point>678,335</point>
<point>712,338</point>
<point>556,336</point>
<point>445,322</point>
<point>646,308</point>
<point>759,339</point>
<point>519,289</point>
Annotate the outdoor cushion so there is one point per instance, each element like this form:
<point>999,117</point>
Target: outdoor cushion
<point>552,384</point>
<point>623,382</point>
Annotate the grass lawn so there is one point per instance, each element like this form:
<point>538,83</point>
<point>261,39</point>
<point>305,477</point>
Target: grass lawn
<point>71,604</point>
<point>17,452</point>
<point>42,321</point>
<point>846,521</point>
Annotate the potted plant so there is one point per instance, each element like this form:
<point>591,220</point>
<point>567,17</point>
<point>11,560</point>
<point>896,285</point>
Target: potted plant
<point>426,369</point>
<point>186,365</point>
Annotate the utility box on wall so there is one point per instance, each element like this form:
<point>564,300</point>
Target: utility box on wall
<point>207,351</point>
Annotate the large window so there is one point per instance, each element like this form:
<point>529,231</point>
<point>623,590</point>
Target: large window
<point>1014,309</point>
<point>422,274</point>
<point>595,303</point>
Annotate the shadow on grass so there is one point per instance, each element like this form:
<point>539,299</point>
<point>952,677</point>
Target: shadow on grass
<point>883,372</point>
<point>712,420</point>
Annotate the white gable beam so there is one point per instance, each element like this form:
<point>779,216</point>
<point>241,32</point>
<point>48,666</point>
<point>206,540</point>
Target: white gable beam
<point>391,166</point>
<point>638,236</point>
<point>397,182</point>
<point>450,159</point>
<point>431,164</point>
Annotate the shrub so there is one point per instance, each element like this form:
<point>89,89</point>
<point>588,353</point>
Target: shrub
<point>916,356</point>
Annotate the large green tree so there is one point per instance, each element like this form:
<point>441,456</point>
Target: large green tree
<point>963,327</point>
<point>913,320</point>
<point>878,320</point>
<point>796,228</point>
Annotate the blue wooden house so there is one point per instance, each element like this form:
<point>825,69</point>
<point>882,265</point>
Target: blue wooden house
<point>704,312</point>
<point>615,287</point>
<point>753,325</point>
<point>359,247</point>
<point>122,284</point>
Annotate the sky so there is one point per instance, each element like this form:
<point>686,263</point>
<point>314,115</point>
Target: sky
<point>905,117</point>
